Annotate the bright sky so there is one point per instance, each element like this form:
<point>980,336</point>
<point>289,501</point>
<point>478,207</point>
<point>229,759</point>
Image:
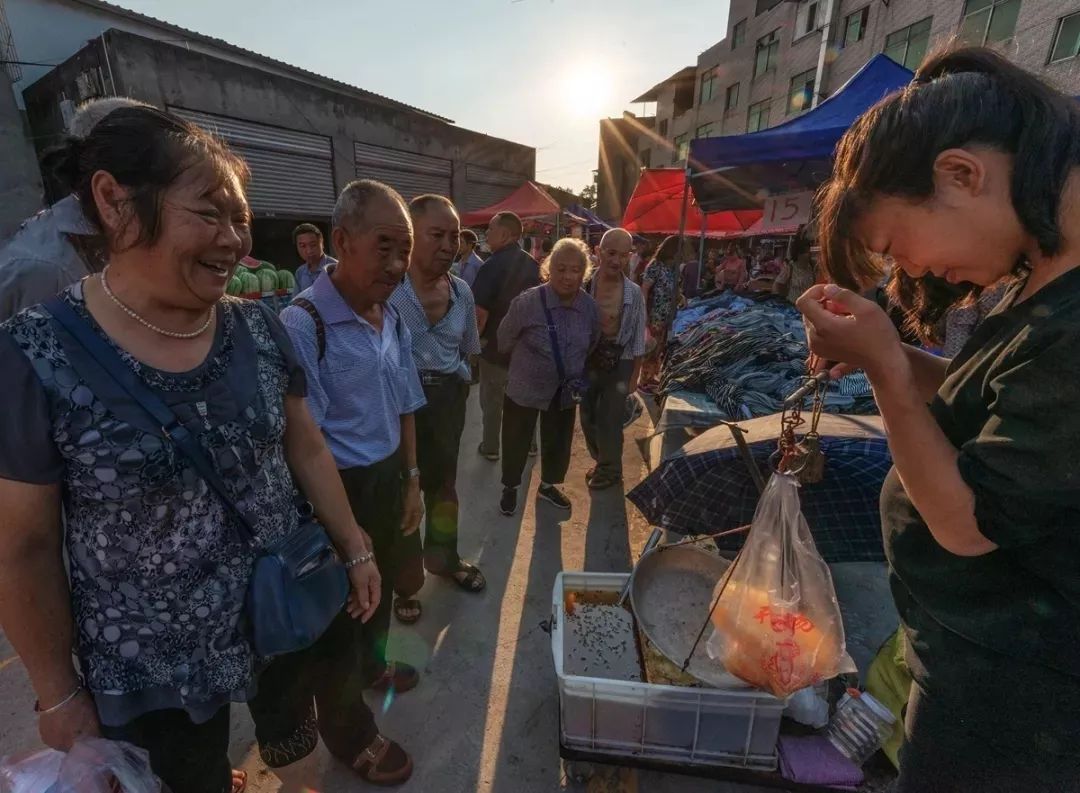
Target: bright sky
<point>539,72</point>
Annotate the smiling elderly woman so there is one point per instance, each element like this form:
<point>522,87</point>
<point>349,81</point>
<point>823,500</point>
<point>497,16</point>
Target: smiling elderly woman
<point>970,170</point>
<point>158,573</point>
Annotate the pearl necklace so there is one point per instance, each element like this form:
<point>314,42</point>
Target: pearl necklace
<point>131,313</point>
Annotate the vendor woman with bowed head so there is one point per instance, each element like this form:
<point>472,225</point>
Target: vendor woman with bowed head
<point>971,174</point>
<point>151,601</point>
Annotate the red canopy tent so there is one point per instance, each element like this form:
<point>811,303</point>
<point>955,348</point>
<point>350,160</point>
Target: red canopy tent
<point>657,203</point>
<point>528,202</point>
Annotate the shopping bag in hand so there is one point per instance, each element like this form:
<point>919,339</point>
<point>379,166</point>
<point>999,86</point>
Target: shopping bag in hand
<point>777,623</point>
<point>93,765</point>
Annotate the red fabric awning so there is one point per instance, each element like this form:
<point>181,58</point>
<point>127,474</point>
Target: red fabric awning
<point>656,208</point>
<point>528,202</point>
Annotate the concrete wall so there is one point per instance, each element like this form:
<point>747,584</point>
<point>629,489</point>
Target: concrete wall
<point>20,180</point>
<point>619,166</point>
<point>51,31</point>
<point>163,74</point>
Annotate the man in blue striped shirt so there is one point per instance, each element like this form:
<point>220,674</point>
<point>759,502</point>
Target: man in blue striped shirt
<point>363,391</point>
<point>439,311</point>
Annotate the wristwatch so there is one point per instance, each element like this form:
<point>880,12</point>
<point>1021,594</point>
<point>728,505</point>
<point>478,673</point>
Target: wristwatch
<point>413,473</point>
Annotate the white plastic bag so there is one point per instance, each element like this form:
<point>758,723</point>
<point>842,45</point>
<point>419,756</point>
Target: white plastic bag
<point>31,772</point>
<point>808,707</point>
<point>93,765</point>
<point>777,623</point>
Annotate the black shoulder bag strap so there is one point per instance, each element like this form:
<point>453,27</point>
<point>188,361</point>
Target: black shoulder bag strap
<point>554,336</point>
<point>107,358</point>
<point>316,317</point>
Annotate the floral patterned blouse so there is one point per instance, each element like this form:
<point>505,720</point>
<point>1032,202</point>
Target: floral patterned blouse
<point>157,572</point>
<point>662,298</point>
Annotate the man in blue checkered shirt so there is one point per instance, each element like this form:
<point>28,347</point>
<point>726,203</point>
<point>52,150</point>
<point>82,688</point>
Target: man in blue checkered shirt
<point>363,392</point>
<point>440,313</point>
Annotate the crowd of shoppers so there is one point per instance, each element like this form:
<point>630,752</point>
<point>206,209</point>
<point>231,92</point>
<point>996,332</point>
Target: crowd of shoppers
<point>125,573</point>
<point>132,619</point>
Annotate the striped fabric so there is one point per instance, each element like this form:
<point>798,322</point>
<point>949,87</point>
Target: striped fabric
<point>444,347</point>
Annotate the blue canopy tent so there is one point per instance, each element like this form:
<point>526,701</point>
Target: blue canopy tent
<point>585,217</point>
<point>593,224</point>
<point>740,171</point>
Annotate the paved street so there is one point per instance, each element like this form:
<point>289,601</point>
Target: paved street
<point>485,718</point>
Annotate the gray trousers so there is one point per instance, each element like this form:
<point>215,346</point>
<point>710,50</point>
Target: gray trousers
<point>602,413</point>
<point>492,391</point>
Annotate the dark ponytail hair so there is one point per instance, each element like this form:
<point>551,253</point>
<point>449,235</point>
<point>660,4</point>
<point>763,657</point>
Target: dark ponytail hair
<point>146,150</point>
<point>668,251</point>
<point>959,97</point>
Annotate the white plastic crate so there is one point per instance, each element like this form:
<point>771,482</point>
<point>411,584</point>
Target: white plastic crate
<point>622,718</point>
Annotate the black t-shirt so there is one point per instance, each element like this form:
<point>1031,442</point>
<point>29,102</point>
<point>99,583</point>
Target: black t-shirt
<point>504,276</point>
<point>1009,406</point>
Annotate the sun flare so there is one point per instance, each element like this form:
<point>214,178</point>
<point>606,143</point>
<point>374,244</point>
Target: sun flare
<point>586,89</point>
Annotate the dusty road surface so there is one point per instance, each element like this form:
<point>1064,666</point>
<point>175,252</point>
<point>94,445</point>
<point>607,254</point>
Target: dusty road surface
<point>485,716</point>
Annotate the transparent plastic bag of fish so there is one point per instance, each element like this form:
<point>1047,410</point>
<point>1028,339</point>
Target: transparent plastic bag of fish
<point>777,623</point>
<point>93,765</point>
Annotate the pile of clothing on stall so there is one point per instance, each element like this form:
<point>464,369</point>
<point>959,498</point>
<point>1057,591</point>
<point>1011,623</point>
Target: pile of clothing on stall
<point>748,354</point>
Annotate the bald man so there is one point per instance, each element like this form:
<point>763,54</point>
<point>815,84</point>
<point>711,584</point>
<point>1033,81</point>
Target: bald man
<point>615,366</point>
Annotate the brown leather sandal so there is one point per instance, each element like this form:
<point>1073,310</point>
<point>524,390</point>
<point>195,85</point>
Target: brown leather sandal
<point>384,763</point>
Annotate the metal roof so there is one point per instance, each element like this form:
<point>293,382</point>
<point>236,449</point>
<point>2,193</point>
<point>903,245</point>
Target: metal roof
<point>653,94</point>
<point>302,74</point>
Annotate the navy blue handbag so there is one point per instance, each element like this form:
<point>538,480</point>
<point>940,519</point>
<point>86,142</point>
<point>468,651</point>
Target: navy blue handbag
<point>298,585</point>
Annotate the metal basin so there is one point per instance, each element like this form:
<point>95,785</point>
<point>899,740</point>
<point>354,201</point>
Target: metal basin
<point>671,591</point>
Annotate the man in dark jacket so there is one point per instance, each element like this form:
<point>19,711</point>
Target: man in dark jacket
<point>505,275</point>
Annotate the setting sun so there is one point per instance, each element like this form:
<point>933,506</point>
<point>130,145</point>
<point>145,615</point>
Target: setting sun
<point>586,89</point>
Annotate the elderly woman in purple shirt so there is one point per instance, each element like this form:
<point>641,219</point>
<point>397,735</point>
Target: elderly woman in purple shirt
<point>548,332</point>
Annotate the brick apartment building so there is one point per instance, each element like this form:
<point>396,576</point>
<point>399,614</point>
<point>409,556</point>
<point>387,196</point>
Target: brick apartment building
<point>780,57</point>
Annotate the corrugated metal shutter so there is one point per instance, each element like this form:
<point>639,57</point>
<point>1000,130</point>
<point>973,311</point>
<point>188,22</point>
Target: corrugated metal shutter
<point>409,173</point>
<point>487,186</point>
<point>292,172</point>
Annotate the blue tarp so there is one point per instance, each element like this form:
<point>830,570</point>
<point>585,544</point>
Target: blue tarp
<point>591,219</point>
<point>737,171</point>
<point>593,222</point>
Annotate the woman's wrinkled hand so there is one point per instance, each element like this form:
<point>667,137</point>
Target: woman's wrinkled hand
<point>365,591</point>
<point>849,330</point>
<point>414,508</point>
<point>77,719</point>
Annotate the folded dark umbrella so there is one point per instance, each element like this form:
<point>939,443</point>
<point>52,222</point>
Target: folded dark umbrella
<point>706,487</point>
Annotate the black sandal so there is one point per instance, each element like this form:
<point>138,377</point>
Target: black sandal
<point>404,605</point>
<point>602,481</point>
<point>384,763</point>
<point>473,581</point>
